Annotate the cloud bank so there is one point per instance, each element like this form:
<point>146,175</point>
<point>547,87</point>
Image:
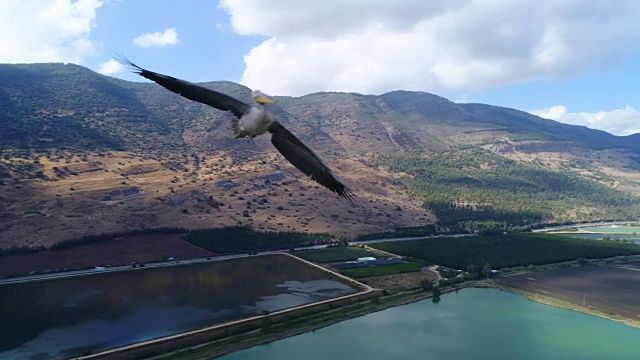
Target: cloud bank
<point>618,122</point>
<point>110,67</point>
<point>157,39</point>
<point>46,30</point>
<point>376,46</point>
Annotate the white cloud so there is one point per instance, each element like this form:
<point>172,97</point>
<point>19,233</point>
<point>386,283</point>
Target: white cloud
<point>46,30</point>
<point>618,122</point>
<point>157,39</point>
<point>110,67</point>
<point>380,45</point>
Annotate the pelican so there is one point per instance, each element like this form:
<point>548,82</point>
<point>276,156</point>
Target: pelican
<point>252,120</point>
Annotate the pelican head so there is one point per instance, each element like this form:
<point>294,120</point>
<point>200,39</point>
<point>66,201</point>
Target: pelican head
<point>262,98</point>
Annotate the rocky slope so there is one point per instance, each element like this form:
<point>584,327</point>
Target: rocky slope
<point>84,154</point>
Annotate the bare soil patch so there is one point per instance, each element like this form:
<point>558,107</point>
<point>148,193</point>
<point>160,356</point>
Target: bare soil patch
<point>120,251</point>
<point>612,289</point>
<point>120,191</point>
<point>400,282</point>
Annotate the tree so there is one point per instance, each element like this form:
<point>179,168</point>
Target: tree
<point>486,269</point>
<point>426,285</point>
<point>265,326</point>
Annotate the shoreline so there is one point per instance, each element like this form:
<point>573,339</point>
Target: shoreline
<point>254,338</point>
<point>560,304</point>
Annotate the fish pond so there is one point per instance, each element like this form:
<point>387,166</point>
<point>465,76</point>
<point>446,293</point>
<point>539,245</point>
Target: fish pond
<point>55,319</point>
<point>613,229</point>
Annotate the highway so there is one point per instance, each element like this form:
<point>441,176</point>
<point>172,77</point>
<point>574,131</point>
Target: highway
<point>365,242</point>
<point>562,227</point>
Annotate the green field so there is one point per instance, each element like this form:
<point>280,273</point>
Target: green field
<point>334,254</point>
<point>382,270</point>
<point>511,250</point>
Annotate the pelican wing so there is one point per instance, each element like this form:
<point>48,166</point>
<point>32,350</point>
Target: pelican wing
<point>190,90</point>
<point>305,160</point>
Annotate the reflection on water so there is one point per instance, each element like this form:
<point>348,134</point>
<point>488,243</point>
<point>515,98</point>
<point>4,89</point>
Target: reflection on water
<point>66,317</point>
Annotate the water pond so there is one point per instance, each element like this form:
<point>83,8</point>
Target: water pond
<point>60,318</point>
<point>470,324</point>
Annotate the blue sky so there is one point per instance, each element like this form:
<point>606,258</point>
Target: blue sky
<point>575,62</point>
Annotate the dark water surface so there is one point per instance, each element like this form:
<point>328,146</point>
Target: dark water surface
<point>470,324</point>
<point>59,318</point>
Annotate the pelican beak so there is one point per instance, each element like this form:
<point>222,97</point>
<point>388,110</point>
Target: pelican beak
<point>264,99</point>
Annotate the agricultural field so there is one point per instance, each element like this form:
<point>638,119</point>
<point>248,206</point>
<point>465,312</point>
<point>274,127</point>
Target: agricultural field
<point>611,288</point>
<point>334,254</point>
<point>383,270</point>
<point>500,251</point>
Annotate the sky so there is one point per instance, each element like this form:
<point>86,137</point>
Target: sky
<point>576,62</point>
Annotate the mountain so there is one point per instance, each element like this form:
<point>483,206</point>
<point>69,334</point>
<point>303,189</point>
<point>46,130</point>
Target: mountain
<point>84,154</point>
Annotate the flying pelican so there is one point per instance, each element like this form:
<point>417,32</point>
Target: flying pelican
<point>252,120</point>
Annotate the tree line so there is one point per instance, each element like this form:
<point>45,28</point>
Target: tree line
<point>237,239</point>
<point>409,231</point>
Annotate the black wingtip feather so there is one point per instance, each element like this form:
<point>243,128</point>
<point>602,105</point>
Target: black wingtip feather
<point>128,63</point>
<point>337,187</point>
<point>346,193</point>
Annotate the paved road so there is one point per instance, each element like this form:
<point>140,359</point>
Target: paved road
<point>408,238</point>
<point>562,227</point>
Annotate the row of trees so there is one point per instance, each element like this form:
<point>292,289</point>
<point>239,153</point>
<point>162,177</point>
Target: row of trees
<point>410,231</point>
<point>237,239</point>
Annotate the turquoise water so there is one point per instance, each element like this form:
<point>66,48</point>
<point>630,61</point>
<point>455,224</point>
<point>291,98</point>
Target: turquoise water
<point>617,230</point>
<point>600,236</point>
<point>470,324</point>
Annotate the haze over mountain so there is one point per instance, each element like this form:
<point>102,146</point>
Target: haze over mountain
<point>84,153</point>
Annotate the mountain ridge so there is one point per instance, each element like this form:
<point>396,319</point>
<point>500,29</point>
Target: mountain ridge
<point>84,153</point>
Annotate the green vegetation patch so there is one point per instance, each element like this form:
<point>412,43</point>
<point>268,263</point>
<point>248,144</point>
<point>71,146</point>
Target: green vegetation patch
<point>411,231</point>
<point>237,239</point>
<point>334,254</point>
<point>507,250</point>
<point>474,189</point>
<point>383,270</point>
